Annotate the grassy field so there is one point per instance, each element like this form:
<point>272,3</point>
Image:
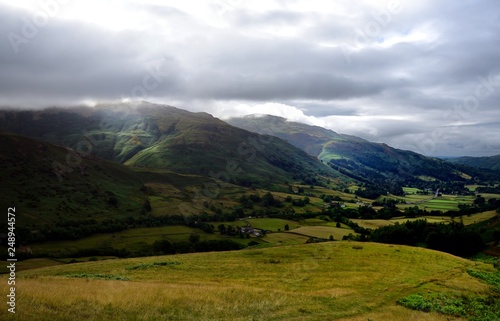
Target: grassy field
<point>324,281</point>
<point>272,224</point>
<point>285,238</point>
<point>467,220</point>
<point>132,239</point>
<point>480,217</point>
<point>323,231</point>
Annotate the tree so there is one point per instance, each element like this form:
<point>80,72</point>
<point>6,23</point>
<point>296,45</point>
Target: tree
<point>496,237</point>
<point>337,225</point>
<point>330,237</point>
<point>222,228</point>
<point>252,243</point>
<point>287,228</point>
<point>194,238</point>
<point>479,200</point>
<point>147,206</point>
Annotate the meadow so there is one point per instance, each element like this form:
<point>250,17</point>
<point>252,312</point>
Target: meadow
<point>467,220</point>
<point>323,232</point>
<point>322,281</point>
<point>133,240</point>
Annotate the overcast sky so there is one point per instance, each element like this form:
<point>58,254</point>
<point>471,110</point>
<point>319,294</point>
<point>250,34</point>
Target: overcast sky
<point>417,75</point>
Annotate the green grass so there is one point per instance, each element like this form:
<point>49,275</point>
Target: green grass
<point>471,307</point>
<point>476,218</point>
<point>323,231</point>
<point>150,265</point>
<point>131,239</point>
<point>490,278</point>
<point>285,238</point>
<point>467,220</point>
<point>324,281</point>
<point>411,190</point>
<point>272,224</point>
<point>33,264</point>
<point>39,196</point>
<point>97,276</point>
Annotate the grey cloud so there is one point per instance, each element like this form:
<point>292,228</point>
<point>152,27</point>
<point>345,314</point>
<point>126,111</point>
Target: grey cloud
<point>71,60</point>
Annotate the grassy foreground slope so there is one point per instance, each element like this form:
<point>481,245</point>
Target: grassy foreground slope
<point>324,281</point>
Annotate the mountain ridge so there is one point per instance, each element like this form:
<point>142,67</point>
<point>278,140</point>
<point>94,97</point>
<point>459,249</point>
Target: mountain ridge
<point>368,162</point>
<point>149,135</point>
<point>486,162</point>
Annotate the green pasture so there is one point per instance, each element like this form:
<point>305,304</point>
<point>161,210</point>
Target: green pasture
<point>285,238</point>
<point>323,231</point>
<point>271,224</point>
<point>325,281</point>
<point>131,239</point>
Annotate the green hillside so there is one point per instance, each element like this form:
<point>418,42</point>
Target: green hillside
<point>367,162</point>
<point>491,162</point>
<point>56,199</point>
<point>44,188</point>
<point>152,136</point>
<point>326,281</point>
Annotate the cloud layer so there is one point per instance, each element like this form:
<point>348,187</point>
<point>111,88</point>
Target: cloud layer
<point>422,76</point>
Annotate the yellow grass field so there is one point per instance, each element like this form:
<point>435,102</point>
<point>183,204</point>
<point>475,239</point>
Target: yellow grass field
<point>285,238</point>
<point>323,281</point>
<point>323,231</point>
<point>467,220</point>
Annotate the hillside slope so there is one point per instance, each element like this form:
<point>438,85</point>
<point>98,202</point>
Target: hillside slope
<point>164,137</point>
<point>37,180</point>
<point>57,199</point>
<point>363,160</point>
<point>488,162</point>
<point>324,281</point>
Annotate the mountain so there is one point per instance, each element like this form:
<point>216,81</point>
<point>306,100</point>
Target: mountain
<point>368,162</point>
<point>487,162</point>
<point>150,136</point>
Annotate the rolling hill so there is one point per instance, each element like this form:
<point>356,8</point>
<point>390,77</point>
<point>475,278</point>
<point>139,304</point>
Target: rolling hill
<point>489,162</point>
<point>44,191</point>
<point>368,162</point>
<point>150,136</point>
<point>324,281</point>
<point>57,200</point>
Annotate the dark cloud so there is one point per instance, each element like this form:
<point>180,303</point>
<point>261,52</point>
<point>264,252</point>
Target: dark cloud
<point>406,81</point>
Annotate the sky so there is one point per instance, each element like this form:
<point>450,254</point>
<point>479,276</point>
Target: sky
<point>417,75</point>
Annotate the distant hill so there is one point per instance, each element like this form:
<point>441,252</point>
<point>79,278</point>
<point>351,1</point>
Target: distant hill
<point>153,136</point>
<point>358,158</point>
<point>487,162</point>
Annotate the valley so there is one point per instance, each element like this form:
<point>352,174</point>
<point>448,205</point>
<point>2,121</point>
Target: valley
<point>121,194</point>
